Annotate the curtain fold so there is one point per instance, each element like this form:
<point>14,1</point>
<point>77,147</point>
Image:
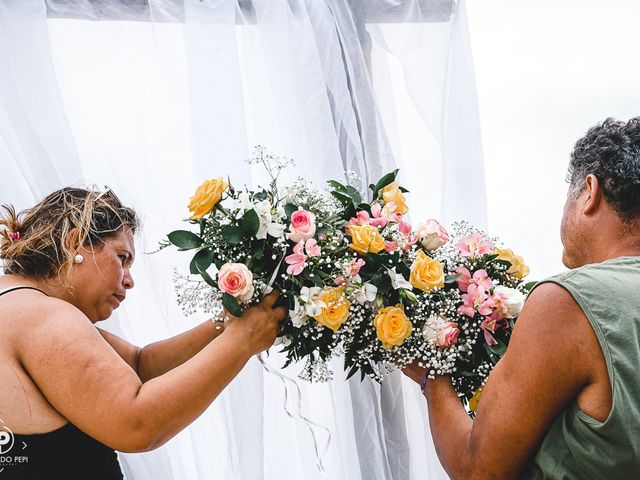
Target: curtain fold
<point>150,98</point>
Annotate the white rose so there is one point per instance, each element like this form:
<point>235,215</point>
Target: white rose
<point>514,299</point>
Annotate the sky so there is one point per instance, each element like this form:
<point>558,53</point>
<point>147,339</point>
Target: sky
<point>546,71</point>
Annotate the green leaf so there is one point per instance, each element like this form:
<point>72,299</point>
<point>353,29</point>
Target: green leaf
<point>337,186</point>
<point>354,194</point>
<point>366,207</point>
<point>492,257</point>
<point>232,305</point>
<point>404,190</point>
<point>201,261</point>
<point>498,349</point>
<point>528,286</point>
<point>383,182</point>
<point>289,208</point>
<point>233,234</point>
<point>206,277</point>
<point>250,222</point>
<point>342,197</point>
<point>352,372</point>
<point>451,278</point>
<point>184,239</point>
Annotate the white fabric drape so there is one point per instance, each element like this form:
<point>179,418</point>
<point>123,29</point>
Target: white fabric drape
<point>151,98</point>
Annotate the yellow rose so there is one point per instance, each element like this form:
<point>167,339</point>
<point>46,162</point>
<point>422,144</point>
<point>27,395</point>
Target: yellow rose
<point>336,311</point>
<point>426,273</point>
<point>206,197</point>
<point>518,269</point>
<point>392,326</point>
<point>392,193</point>
<point>365,238</point>
<point>473,401</point>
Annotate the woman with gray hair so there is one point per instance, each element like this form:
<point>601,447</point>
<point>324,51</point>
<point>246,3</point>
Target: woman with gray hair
<point>72,392</point>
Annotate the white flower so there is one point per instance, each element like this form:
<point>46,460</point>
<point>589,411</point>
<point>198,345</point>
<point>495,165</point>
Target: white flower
<point>398,281</point>
<point>276,230</point>
<point>244,201</point>
<point>366,293</point>
<point>298,314</point>
<point>267,226</point>
<point>431,326</point>
<point>514,299</point>
<point>310,298</point>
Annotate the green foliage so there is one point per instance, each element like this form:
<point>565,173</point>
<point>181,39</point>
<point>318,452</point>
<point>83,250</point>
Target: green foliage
<point>184,239</point>
<point>250,222</point>
<point>383,182</point>
<point>232,305</point>
<point>233,234</point>
<point>201,261</point>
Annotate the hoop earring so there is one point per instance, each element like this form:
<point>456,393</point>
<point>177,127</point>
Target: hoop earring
<point>78,259</point>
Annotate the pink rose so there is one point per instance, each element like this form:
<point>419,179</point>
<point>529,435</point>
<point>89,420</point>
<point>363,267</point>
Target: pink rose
<point>432,235</point>
<point>303,225</point>
<point>236,280</point>
<point>447,334</point>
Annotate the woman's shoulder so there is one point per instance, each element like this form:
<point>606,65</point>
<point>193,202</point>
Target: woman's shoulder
<point>29,310</point>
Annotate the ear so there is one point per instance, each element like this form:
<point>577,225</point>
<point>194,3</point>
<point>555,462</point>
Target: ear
<point>71,241</point>
<point>593,195</point>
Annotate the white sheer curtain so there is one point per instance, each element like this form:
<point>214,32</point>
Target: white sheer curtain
<point>152,97</point>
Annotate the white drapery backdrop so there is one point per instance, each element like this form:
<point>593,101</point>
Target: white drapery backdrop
<point>152,97</point>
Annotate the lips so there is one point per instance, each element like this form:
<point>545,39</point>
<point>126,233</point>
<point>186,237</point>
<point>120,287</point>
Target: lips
<point>119,297</point>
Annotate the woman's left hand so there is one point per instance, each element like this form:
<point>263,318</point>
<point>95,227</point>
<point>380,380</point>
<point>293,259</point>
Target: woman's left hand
<point>414,372</point>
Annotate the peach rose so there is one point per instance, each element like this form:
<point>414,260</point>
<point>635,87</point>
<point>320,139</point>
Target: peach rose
<point>303,225</point>
<point>426,273</point>
<point>207,196</point>
<point>236,280</point>
<point>392,326</point>
<point>366,238</point>
<point>447,334</point>
<point>336,309</point>
<point>432,235</point>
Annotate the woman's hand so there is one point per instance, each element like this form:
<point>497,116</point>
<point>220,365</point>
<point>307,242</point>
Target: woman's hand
<point>259,324</point>
<point>414,372</point>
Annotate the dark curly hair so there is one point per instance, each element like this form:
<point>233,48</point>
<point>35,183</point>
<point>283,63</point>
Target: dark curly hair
<point>611,152</point>
<point>34,241</point>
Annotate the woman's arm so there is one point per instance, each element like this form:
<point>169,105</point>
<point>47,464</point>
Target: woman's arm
<point>158,358</point>
<point>90,384</point>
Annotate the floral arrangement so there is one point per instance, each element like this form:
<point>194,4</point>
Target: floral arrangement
<point>358,279</point>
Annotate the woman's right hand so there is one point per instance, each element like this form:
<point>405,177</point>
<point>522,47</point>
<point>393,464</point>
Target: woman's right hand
<point>259,324</point>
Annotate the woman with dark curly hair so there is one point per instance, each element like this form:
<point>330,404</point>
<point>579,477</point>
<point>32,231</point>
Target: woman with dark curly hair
<point>72,392</point>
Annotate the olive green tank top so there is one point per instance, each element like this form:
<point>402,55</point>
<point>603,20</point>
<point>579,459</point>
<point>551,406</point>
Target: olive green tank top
<point>578,446</point>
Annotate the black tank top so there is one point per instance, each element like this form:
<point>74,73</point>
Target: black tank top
<point>65,453</point>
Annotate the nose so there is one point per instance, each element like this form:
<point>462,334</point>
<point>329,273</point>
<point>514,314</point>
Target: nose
<point>127,281</point>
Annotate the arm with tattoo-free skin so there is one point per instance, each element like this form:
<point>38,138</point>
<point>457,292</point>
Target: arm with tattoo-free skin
<point>159,357</point>
<point>544,369</point>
